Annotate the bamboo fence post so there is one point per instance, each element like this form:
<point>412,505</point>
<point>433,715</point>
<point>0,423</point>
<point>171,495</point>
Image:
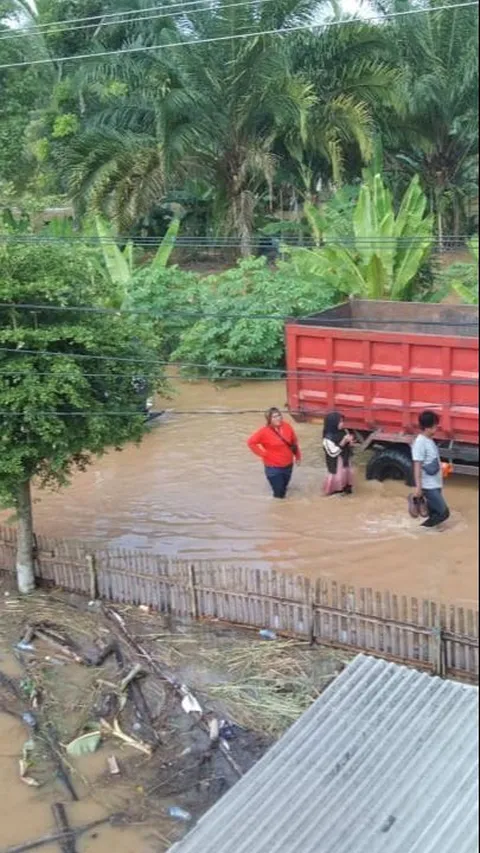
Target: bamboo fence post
<point>193,590</point>
<point>92,572</point>
<point>439,661</point>
<point>313,610</point>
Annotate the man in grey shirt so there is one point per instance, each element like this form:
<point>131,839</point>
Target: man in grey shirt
<point>427,469</point>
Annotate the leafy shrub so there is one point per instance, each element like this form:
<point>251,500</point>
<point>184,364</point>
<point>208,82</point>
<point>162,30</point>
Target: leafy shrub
<point>463,277</point>
<point>245,326</point>
<point>169,295</point>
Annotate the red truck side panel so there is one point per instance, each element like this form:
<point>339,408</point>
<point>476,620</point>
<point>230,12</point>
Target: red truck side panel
<point>382,380</point>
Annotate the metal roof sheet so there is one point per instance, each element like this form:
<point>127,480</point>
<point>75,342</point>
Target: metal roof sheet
<point>385,761</point>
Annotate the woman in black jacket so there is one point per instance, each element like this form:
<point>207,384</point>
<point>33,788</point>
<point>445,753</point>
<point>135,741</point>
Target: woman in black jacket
<point>337,444</point>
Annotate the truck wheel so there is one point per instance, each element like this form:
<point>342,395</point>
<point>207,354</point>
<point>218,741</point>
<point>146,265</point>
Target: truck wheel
<point>390,464</point>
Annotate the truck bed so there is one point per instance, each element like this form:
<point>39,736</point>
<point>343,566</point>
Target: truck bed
<point>381,363</point>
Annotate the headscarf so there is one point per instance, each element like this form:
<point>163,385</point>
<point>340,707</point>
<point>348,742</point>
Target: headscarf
<point>331,427</point>
<point>332,431</point>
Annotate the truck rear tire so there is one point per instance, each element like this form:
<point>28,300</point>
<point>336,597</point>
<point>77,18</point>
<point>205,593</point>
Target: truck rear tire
<point>391,463</point>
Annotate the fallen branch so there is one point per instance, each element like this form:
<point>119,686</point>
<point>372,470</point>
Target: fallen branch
<point>135,694</point>
<point>42,730</point>
<point>58,836</point>
<point>116,731</point>
<point>135,672</point>
<point>67,843</point>
<point>46,633</point>
<point>9,683</point>
<point>162,673</point>
<point>53,746</point>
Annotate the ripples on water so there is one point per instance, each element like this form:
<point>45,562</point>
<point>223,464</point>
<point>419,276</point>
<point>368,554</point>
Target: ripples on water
<point>193,488</point>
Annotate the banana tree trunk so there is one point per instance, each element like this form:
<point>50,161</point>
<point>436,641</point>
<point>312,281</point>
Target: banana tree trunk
<point>25,564</point>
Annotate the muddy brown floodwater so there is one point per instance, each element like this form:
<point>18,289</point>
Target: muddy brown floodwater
<point>193,489</point>
<point>25,811</point>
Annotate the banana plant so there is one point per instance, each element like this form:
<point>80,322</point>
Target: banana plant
<point>120,263</point>
<point>386,250</point>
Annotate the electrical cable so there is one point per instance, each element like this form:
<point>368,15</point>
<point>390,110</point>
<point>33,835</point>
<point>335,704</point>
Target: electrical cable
<point>233,37</point>
<point>279,373</point>
<point>103,15</point>
<point>157,413</point>
<point>212,367</point>
<point>257,241</point>
<point>182,10</point>
<point>220,315</point>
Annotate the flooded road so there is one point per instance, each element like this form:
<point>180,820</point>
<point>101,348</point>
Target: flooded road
<point>193,489</point>
<point>25,811</point>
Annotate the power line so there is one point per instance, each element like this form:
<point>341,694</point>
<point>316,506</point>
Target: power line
<point>220,315</point>
<point>233,37</point>
<point>258,240</point>
<point>183,9</point>
<point>71,414</point>
<point>157,413</point>
<point>278,373</point>
<point>244,369</point>
<point>103,15</point>
<point>115,376</point>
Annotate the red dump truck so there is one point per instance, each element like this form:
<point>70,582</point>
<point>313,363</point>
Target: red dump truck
<point>381,364</point>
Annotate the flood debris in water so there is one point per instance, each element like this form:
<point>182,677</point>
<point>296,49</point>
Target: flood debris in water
<point>149,717</point>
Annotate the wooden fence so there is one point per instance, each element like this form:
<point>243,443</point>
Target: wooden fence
<point>437,637</point>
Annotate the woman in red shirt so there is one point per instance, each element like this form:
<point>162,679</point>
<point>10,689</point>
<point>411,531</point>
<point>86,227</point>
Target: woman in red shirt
<point>276,444</point>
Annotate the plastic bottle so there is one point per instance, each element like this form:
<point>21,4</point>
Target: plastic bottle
<point>178,814</point>
<point>265,634</point>
<point>29,719</point>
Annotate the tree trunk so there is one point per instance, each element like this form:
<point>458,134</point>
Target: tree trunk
<point>25,567</point>
<point>456,217</point>
<point>441,245</point>
<point>245,246</point>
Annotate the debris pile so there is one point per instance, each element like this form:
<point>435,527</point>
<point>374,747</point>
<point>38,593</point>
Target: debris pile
<point>168,715</point>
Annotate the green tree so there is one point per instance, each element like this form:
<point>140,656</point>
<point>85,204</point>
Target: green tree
<point>240,127</point>
<point>230,114</point>
<point>211,111</point>
<point>436,136</point>
<point>353,75</point>
<point>386,252</point>
<point>58,411</point>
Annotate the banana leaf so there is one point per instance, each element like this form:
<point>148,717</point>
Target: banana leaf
<point>119,264</point>
<point>167,245</point>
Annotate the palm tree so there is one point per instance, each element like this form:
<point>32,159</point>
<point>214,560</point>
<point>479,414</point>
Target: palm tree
<point>210,111</point>
<point>227,113</point>
<point>437,136</point>
<point>352,76</point>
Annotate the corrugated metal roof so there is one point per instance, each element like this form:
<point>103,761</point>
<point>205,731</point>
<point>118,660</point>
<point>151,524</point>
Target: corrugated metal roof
<point>385,761</point>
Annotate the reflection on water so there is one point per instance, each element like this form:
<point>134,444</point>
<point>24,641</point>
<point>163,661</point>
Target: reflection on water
<point>25,812</point>
<point>193,488</point>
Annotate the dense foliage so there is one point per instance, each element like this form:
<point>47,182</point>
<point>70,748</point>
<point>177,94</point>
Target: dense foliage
<point>245,310</point>
<point>235,130</point>
<point>462,277</point>
<point>69,379</point>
